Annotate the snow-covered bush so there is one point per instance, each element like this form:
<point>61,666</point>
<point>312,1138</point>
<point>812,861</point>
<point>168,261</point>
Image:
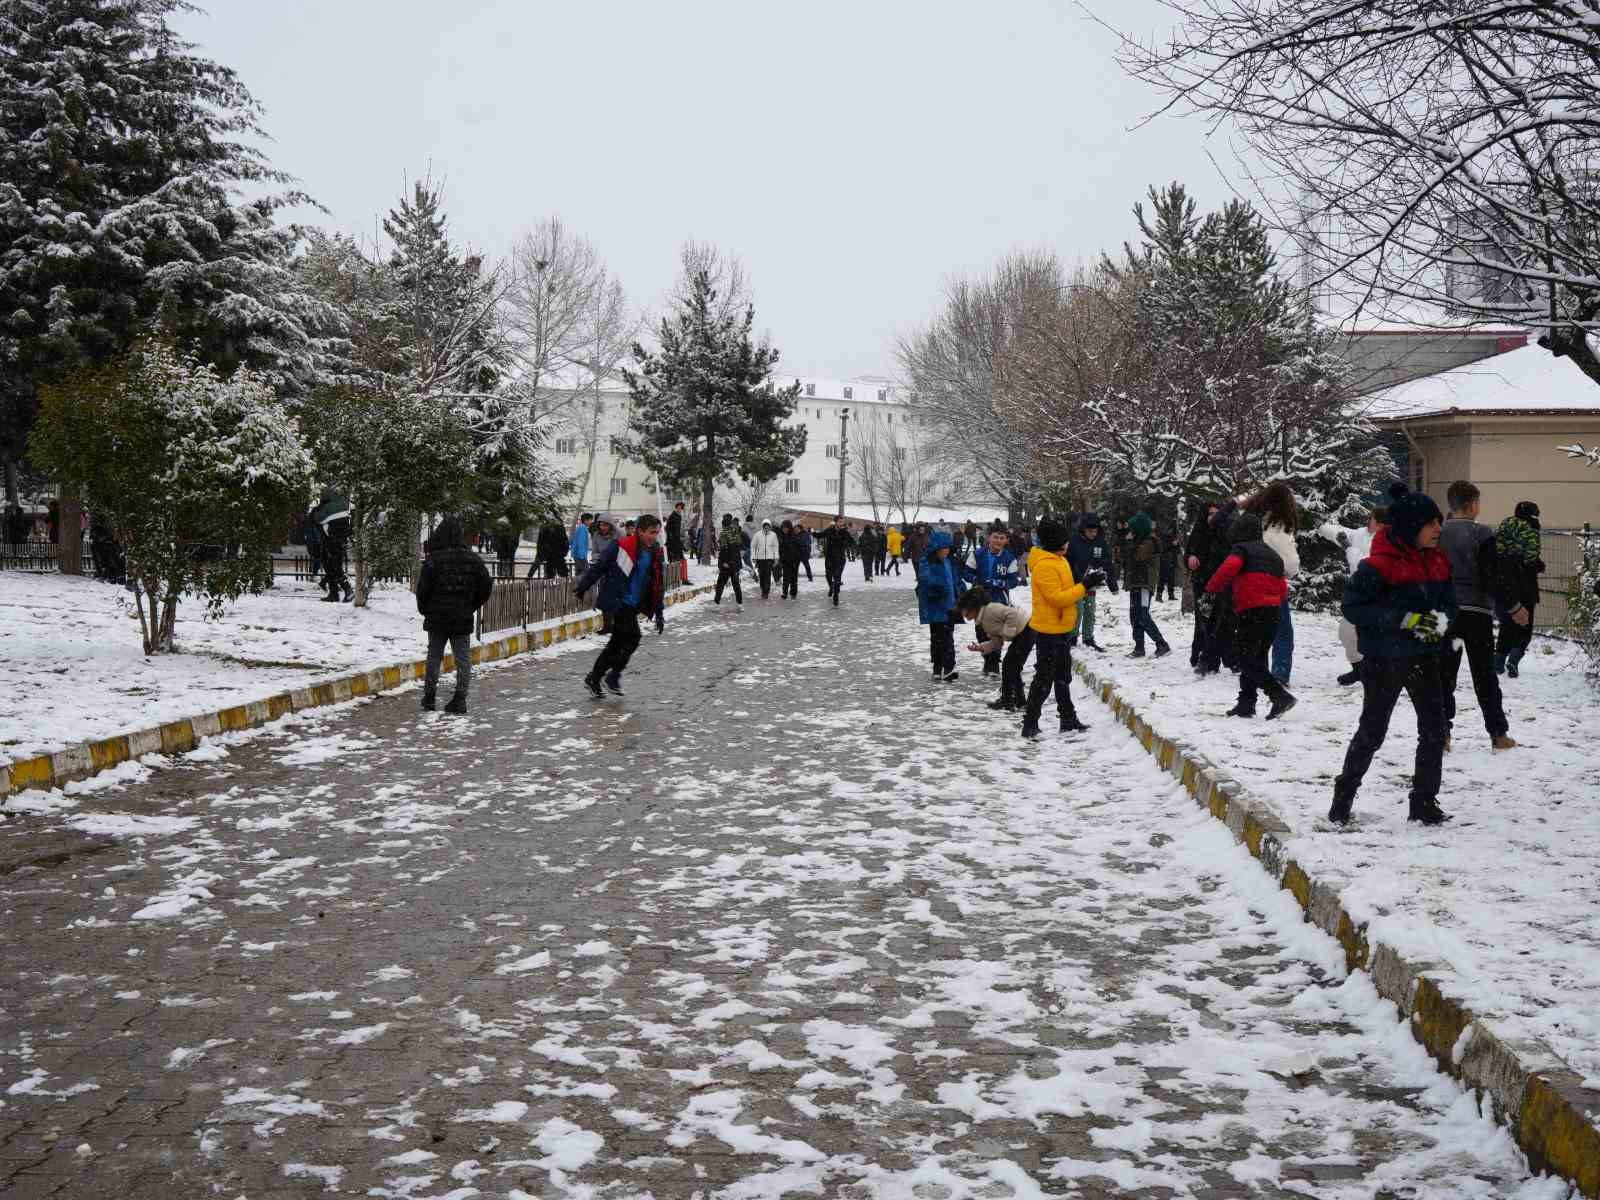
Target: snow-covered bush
<point>198,476</point>
<point>1583,604</point>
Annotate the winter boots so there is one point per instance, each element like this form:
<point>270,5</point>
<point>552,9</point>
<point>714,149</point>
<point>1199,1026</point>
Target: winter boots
<point>592,683</point>
<point>1503,742</point>
<point>1427,812</point>
<point>428,704</point>
<point>1281,705</point>
<point>1009,700</point>
<point>1138,651</point>
<point>1163,650</point>
<point>1353,675</point>
<point>458,704</point>
<point>1343,801</point>
<point>1071,724</point>
<point>614,683</point>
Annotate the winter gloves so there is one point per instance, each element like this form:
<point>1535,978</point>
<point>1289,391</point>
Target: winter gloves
<point>1424,626</point>
<point>1093,579</point>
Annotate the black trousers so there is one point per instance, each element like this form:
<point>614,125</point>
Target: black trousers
<point>1515,639</point>
<point>1016,657</point>
<point>1382,681</point>
<point>1255,631</point>
<point>764,575</point>
<point>942,645</point>
<point>1168,581</point>
<point>893,562</point>
<point>1052,670</point>
<point>791,578</point>
<point>333,566</point>
<point>624,641</point>
<point>726,573</point>
<point>867,562</point>
<point>806,563</point>
<point>1475,632</point>
<point>834,571</point>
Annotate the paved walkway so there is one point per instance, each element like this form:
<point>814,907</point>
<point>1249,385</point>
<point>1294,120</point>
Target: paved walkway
<point>789,919</point>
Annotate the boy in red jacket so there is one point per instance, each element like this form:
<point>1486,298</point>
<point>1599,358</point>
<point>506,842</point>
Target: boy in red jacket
<point>1255,571</point>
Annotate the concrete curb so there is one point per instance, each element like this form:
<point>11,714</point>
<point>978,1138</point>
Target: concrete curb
<point>1554,1118</point>
<point>84,759</point>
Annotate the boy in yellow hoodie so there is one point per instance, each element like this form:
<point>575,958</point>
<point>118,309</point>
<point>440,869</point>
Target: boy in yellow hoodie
<point>1056,596</point>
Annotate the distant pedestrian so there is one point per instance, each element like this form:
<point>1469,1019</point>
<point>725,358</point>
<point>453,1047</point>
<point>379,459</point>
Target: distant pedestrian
<point>764,549</point>
<point>333,517</point>
<point>311,534</point>
<point>894,541</point>
<point>938,590</point>
<point>808,543</point>
<point>578,543</point>
<point>1171,550</point>
<point>730,557</point>
<point>836,546</point>
<point>1139,573</point>
<point>791,550</point>
<point>550,552</point>
<point>1091,550</point>
<point>602,535</point>
<point>917,545</point>
<point>632,583</point>
<point>1280,521</point>
<point>869,551</point>
<point>1401,602</point>
<point>1000,627</point>
<point>880,549</point>
<point>1481,585</point>
<point>506,541</point>
<point>1056,596</point>
<point>453,585</point>
<point>675,544</point>
<point>1252,574</point>
<point>1518,545</point>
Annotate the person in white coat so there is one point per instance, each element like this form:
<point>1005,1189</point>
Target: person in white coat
<point>764,552</point>
<point>1280,521</point>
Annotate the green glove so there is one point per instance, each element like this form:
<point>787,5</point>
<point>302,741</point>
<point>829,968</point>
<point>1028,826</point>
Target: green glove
<point>1424,625</point>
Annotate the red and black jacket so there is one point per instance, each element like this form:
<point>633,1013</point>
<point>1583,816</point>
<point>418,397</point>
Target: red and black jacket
<point>1255,571</point>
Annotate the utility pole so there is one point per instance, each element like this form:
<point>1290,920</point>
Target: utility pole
<point>844,453</point>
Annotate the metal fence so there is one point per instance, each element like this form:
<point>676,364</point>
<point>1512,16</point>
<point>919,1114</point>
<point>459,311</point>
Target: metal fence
<point>519,603</point>
<point>39,556</point>
<point>1562,551</point>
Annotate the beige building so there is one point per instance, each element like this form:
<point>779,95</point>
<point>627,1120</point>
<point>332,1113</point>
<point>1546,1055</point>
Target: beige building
<point>1501,422</point>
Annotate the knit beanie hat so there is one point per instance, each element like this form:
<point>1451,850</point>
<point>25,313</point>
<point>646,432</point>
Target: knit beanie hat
<point>1141,524</point>
<point>1246,527</point>
<point>1408,512</point>
<point>1052,535</point>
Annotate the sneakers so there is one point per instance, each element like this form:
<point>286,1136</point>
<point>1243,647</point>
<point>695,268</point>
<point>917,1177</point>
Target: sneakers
<point>1511,667</point>
<point>1094,645</point>
<point>1163,650</point>
<point>458,704</point>
<point>614,684</point>
<point>1138,651</point>
<point>592,682</point>
<point>1279,707</point>
<point>1030,730</point>
<point>428,704</point>
<point>1239,710</point>
<point>951,676</point>
<point>1427,812</point>
<point>1071,724</point>
<point>1339,813</point>
<point>1353,675</point>
<point>1503,742</point>
<point>1003,703</point>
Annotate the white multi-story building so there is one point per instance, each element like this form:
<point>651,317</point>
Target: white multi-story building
<point>887,463</point>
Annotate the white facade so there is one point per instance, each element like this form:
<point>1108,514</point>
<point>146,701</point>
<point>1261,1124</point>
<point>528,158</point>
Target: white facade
<point>879,422</point>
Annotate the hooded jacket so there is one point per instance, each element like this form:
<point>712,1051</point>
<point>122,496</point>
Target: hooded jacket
<point>764,546</point>
<point>895,539</point>
<point>580,543</point>
<point>1056,594</point>
<point>999,623</point>
<point>1086,554</point>
<point>996,572</point>
<point>937,584</point>
<point>1395,579</point>
<point>1253,569</point>
<point>615,569</point>
<point>454,582</point>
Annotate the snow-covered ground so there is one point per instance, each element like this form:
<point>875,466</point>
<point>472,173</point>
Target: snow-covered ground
<point>71,667</point>
<point>1508,893</point>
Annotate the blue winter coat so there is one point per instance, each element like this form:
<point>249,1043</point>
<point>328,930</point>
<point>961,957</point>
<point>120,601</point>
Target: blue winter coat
<point>580,543</point>
<point>1085,555</point>
<point>996,572</point>
<point>615,569</point>
<point>938,585</point>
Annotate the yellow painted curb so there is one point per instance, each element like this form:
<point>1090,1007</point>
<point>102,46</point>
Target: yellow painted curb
<point>1552,1115</point>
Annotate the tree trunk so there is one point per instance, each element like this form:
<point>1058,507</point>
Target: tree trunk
<point>358,552</point>
<point>147,624</point>
<point>169,621</point>
<point>71,547</point>
<point>708,528</point>
<point>13,486</point>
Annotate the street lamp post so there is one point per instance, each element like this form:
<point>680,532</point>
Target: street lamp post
<point>844,453</point>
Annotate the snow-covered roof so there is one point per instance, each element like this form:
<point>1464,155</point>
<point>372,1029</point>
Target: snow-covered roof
<point>1526,380</point>
<point>863,390</point>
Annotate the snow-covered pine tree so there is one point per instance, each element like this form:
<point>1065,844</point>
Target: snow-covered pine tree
<point>702,404</point>
<point>121,155</point>
<point>195,474</point>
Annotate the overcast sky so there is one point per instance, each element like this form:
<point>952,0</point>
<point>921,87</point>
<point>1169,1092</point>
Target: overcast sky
<point>852,154</point>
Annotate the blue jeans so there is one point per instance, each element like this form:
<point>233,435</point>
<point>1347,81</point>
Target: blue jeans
<point>1283,646</point>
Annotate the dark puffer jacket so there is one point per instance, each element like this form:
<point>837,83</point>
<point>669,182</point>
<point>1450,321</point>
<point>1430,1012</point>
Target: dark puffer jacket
<point>453,585</point>
<point>1393,580</point>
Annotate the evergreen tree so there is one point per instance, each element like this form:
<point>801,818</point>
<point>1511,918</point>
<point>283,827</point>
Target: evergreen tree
<point>703,405</point>
<point>121,151</point>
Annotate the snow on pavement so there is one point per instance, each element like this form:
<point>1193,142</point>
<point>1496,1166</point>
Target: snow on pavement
<point>858,940</point>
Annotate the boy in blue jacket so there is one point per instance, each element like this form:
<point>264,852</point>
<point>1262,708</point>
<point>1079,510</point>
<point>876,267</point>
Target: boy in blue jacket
<point>991,566</point>
<point>937,594</point>
<point>632,584</point>
<point>1401,601</point>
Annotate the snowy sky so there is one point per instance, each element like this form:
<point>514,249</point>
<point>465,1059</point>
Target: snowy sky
<point>853,154</point>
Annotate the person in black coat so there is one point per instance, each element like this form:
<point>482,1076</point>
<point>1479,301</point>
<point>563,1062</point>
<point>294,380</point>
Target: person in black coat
<point>551,552</point>
<point>453,586</point>
<point>675,544</point>
<point>791,552</point>
<point>836,546</point>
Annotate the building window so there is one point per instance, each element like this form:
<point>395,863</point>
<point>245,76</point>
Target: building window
<point>811,389</point>
<point>849,393</point>
<point>566,445</point>
<point>791,486</point>
<point>889,417</point>
<point>883,395</point>
<point>833,487</point>
<point>899,454</point>
<point>833,449</point>
<point>619,487</point>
